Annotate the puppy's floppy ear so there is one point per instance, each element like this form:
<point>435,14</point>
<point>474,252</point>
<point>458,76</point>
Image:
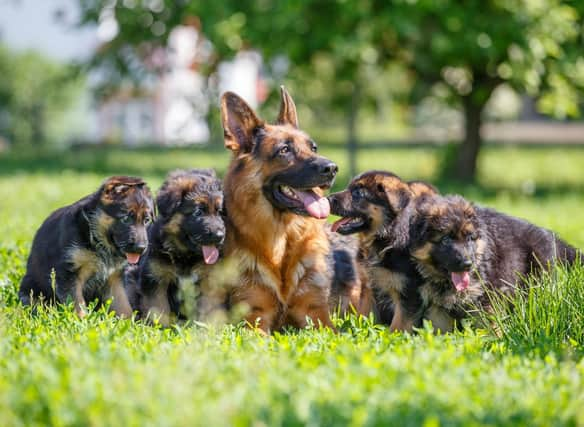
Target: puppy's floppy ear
<point>288,115</point>
<point>239,123</point>
<point>398,197</point>
<point>116,187</point>
<point>167,201</point>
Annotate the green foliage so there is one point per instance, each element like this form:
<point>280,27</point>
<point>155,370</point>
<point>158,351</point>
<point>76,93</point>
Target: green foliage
<point>543,316</point>
<point>35,93</point>
<point>56,369</point>
<point>344,55</point>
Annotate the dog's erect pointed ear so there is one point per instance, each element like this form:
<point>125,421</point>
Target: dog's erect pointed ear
<point>239,122</point>
<point>288,115</point>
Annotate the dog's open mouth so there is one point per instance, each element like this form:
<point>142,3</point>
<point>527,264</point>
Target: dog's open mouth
<point>303,200</point>
<point>210,254</point>
<point>460,280</point>
<point>349,225</point>
<point>133,258</point>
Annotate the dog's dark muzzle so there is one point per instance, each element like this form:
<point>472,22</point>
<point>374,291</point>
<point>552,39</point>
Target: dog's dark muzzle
<point>326,171</point>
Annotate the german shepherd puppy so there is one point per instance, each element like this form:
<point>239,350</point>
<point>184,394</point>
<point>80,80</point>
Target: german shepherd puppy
<point>379,207</point>
<point>460,249</point>
<point>87,244</point>
<point>275,212</point>
<point>185,239</point>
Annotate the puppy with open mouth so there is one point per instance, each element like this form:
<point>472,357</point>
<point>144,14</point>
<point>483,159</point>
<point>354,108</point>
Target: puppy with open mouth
<point>377,206</point>
<point>186,241</point>
<point>85,247</point>
<point>461,250</point>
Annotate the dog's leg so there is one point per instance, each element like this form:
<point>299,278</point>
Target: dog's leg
<point>116,291</point>
<point>156,305</point>
<point>310,302</point>
<point>401,321</point>
<point>441,320</point>
<point>78,299</point>
<point>262,305</point>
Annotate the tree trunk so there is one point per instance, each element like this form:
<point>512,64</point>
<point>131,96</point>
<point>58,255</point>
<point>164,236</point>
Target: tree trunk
<point>468,152</point>
<point>352,129</point>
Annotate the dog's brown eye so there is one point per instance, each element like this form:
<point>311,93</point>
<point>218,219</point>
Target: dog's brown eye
<point>147,220</point>
<point>198,212</point>
<point>446,239</point>
<point>313,147</point>
<point>284,150</point>
<point>126,219</point>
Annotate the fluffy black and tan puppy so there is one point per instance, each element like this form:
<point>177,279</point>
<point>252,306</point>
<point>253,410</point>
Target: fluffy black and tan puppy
<point>461,249</point>
<point>84,247</point>
<point>379,207</point>
<point>185,240</point>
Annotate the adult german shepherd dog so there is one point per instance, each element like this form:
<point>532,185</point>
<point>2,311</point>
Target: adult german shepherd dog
<point>82,248</point>
<point>185,240</point>
<point>378,206</point>
<point>461,249</point>
<point>275,217</point>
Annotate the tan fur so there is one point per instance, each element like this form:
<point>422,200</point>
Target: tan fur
<point>120,304</point>
<point>441,321</point>
<point>386,279</point>
<point>101,226</point>
<point>87,264</point>
<point>399,322</point>
<point>423,252</point>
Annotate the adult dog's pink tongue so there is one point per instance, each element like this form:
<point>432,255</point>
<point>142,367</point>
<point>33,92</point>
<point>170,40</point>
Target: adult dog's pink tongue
<point>460,280</point>
<point>340,223</point>
<point>133,258</point>
<point>210,254</point>
<point>314,204</point>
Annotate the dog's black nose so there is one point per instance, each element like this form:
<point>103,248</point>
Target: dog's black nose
<point>220,234</point>
<point>137,248</point>
<point>466,264</point>
<point>328,168</point>
<point>215,236</point>
<point>334,202</point>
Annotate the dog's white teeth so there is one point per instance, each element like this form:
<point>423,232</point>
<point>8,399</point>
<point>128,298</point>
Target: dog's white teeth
<point>288,191</point>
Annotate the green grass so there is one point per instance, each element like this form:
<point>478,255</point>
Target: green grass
<point>56,369</point>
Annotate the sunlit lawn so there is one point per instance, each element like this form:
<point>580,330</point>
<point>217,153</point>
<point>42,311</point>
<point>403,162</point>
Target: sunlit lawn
<point>56,369</point>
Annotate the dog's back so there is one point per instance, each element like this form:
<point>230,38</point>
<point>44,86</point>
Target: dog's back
<point>64,227</point>
<point>519,247</point>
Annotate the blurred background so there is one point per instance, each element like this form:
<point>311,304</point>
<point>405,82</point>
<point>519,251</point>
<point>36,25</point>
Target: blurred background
<point>443,80</point>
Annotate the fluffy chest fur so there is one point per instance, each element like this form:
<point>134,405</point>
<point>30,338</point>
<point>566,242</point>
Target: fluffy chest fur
<point>283,256</point>
<point>98,268</point>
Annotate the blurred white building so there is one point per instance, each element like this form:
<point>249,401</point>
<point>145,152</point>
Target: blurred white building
<point>174,110</point>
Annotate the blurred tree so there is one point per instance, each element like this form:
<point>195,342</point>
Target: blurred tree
<point>460,51</point>
<point>328,44</point>
<point>34,92</point>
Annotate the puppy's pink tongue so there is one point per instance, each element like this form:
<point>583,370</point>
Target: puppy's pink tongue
<point>460,280</point>
<point>133,258</point>
<point>210,254</point>
<point>314,204</point>
<point>340,223</point>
